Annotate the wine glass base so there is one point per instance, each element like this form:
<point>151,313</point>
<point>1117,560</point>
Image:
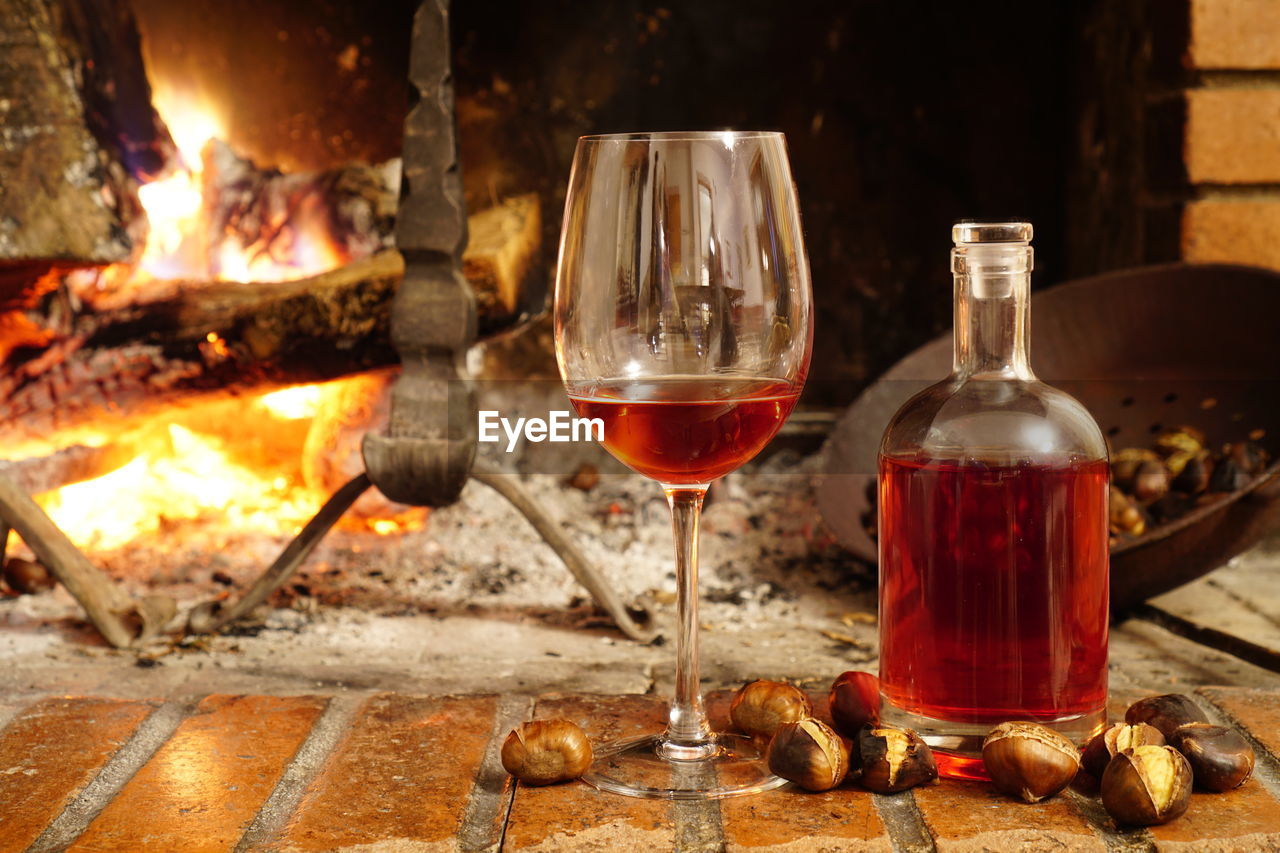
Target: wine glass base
<point>637,767</point>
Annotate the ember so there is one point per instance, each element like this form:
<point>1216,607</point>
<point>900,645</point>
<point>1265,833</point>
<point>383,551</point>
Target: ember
<point>235,463</point>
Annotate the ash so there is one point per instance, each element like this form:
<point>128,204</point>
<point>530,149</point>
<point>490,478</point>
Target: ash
<point>476,583</point>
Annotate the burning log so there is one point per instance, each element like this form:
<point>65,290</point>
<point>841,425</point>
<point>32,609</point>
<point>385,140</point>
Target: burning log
<point>76,128</point>
<point>176,342</point>
<point>73,464</point>
<point>264,215</point>
<point>501,254</point>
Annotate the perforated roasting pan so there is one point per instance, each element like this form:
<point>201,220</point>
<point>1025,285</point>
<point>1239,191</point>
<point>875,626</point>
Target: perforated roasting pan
<point>1143,349</point>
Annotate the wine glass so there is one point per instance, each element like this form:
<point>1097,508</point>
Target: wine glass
<point>683,320</point>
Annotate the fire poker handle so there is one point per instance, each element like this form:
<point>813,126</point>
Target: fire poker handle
<point>425,456</point>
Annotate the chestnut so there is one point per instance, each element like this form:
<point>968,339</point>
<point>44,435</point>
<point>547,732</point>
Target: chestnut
<point>1165,712</point>
<point>855,702</point>
<point>760,707</point>
<point>894,759</point>
<point>1151,481</point>
<point>27,576</point>
<point>1146,786</point>
<point>809,753</point>
<point>1228,476</point>
<point>1119,738</point>
<point>1195,471</point>
<point>1124,514</point>
<point>1250,457</point>
<point>1029,761</point>
<point>1184,439</point>
<point>1220,758</point>
<point>1125,464</point>
<point>546,751</point>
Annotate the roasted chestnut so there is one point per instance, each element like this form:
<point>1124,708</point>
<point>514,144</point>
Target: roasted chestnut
<point>760,707</point>
<point>1125,516</point>
<point>1228,476</point>
<point>1151,482</point>
<point>1119,738</point>
<point>1220,758</point>
<point>27,576</point>
<point>809,753</point>
<point>1146,786</point>
<point>1140,472</point>
<point>1029,761</point>
<point>894,759</point>
<point>546,751</point>
<point>854,702</point>
<point>1165,712</point>
<point>1249,456</point>
<point>1195,471</point>
<point>1184,439</point>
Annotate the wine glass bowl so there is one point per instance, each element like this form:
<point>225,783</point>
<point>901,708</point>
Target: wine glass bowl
<point>683,321</point>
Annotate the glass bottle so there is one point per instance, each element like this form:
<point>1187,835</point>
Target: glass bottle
<point>993,530</point>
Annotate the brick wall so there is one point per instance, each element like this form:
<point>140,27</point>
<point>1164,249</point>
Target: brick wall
<point>1231,135</point>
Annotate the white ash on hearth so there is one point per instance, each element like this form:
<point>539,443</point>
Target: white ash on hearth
<point>765,557</point>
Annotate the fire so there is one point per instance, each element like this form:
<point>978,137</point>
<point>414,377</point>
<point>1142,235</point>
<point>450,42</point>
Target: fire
<point>182,477</point>
<point>179,244</point>
<point>301,401</point>
<point>237,463</point>
<point>234,462</point>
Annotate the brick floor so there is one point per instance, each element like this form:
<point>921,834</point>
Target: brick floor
<point>50,752</point>
<point>399,750</point>
<point>203,788</point>
<point>392,772</point>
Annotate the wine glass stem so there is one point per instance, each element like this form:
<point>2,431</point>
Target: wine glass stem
<point>688,735</point>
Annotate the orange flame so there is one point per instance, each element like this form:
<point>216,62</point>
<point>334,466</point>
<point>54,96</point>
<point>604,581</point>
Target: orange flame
<point>244,475</point>
<point>188,477</point>
<point>179,245</point>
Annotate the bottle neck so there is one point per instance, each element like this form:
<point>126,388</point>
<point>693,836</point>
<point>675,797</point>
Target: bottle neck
<point>992,311</point>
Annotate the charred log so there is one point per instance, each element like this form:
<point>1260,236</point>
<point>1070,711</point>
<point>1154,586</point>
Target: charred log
<point>66,190</point>
<point>105,47</point>
<point>185,341</point>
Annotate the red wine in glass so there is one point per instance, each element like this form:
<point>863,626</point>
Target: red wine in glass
<point>684,323</point>
<point>688,429</point>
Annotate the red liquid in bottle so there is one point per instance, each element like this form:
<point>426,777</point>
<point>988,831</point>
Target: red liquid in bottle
<point>993,598</point>
<point>687,430</point>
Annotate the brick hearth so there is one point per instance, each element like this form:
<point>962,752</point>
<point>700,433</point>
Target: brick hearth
<point>390,772</point>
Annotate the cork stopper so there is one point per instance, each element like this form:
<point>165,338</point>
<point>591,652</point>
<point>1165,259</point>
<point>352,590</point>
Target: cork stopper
<point>968,232</point>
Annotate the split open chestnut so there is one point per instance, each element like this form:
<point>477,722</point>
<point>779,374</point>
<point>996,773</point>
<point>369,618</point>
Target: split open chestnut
<point>1220,758</point>
<point>809,753</point>
<point>1146,786</point>
<point>1029,761</point>
<point>1119,738</point>
<point>894,759</point>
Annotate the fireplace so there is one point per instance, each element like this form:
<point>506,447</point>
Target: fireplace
<point>212,337</point>
<point>198,327</point>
